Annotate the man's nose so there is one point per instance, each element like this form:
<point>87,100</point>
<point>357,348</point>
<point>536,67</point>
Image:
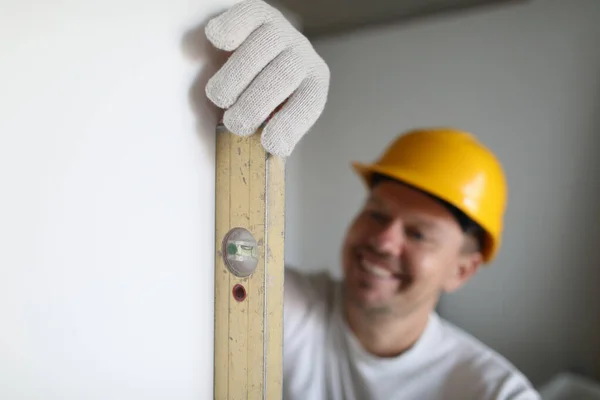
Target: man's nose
<point>389,240</point>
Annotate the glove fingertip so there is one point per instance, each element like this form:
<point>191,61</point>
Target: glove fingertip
<point>215,33</point>
<point>230,29</point>
<point>276,143</point>
<point>236,124</point>
<point>212,93</point>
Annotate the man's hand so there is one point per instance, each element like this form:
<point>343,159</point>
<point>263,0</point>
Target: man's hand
<point>271,62</point>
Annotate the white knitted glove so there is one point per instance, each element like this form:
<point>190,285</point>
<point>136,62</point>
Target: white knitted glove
<point>271,61</point>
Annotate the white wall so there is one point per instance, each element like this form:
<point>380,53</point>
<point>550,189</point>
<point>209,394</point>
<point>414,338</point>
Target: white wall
<point>526,80</point>
<point>106,217</point>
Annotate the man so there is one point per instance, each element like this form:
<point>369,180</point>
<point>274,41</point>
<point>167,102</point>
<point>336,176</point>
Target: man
<point>433,215</point>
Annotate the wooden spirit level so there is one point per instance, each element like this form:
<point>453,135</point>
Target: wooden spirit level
<point>249,269</point>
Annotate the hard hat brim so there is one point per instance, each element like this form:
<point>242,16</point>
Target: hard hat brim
<point>366,172</point>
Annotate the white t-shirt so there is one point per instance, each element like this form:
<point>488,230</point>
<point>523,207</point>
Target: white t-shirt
<point>324,361</point>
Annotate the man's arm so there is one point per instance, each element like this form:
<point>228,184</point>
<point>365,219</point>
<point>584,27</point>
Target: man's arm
<point>517,387</point>
<point>305,301</point>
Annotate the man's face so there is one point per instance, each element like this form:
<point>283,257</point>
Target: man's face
<point>402,250</point>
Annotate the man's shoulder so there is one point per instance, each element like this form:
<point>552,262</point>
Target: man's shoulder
<point>308,304</point>
<point>491,374</point>
<point>311,285</point>
<point>471,348</point>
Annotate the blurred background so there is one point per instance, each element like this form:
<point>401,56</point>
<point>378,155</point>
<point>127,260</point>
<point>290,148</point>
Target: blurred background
<point>107,172</point>
<point>524,76</point>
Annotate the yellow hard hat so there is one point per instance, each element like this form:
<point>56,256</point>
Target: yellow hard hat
<point>453,166</point>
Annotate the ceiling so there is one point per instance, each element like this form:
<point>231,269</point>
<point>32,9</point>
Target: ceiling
<point>331,17</point>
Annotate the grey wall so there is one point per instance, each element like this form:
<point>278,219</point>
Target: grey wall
<point>526,80</point>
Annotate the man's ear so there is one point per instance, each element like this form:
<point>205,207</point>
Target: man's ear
<point>468,264</point>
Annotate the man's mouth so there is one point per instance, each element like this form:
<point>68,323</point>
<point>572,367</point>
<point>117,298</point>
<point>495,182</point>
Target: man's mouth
<point>376,270</point>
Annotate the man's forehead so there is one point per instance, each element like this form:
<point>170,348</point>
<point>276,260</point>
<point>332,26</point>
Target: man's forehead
<point>398,197</point>
<point>375,198</point>
<point>389,192</point>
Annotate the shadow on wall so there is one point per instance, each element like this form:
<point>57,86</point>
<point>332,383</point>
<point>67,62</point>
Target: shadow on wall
<point>582,259</point>
<point>575,282</point>
<point>566,293</point>
<point>197,47</point>
<point>576,250</point>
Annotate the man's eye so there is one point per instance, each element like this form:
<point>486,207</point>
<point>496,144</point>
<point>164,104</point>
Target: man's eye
<point>415,234</point>
<point>377,216</point>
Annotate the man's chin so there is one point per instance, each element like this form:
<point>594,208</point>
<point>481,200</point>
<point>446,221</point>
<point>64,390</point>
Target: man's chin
<point>368,301</point>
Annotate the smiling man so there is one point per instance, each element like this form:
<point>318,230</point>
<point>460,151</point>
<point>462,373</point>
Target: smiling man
<point>432,216</point>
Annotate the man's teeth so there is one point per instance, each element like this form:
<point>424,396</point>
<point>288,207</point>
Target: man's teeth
<point>375,270</point>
